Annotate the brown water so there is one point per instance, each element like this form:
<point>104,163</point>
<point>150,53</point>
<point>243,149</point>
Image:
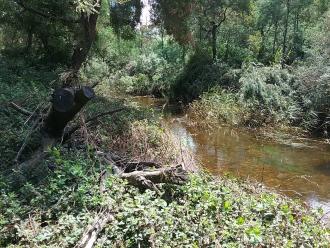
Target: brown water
<point>296,169</point>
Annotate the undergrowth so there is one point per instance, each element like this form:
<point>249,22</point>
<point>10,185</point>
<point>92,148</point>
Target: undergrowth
<point>206,212</point>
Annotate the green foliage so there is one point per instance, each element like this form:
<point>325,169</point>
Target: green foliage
<point>268,93</point>
<point>29,85</point>
<point>124,17</point>
<point>199,75</point>
<point>269,96</point>
<point>219,106</point>
<point>142,66</point>
<point>205,212</point>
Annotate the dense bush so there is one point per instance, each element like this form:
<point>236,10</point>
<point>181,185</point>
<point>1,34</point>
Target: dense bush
<point>268,94</point>
<point>148,75</point>
<point>264,96</point>
<point>271,96</point>
<point>218,106</point>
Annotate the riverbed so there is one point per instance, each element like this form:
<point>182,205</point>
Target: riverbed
<point>296,169</point>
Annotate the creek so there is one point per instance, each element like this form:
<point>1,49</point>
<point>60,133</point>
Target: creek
<point>294,169</point>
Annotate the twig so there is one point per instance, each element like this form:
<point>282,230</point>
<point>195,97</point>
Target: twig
<point>104,114</point>
<point>26,139</point>
<point>77,127</point>
<point>95,84</point>
<point>20,109</point>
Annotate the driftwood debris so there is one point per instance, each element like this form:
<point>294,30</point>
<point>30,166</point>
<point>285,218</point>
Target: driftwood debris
<point>144,174</point>
<point>148,179</point>
<point>91,233</point>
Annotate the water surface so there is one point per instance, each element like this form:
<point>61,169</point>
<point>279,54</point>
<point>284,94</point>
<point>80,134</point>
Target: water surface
<point>295,169</point>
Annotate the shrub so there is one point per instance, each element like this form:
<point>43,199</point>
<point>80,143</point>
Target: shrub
<point>147,75</point>
<point>268,93</point>
<point>218,106</point>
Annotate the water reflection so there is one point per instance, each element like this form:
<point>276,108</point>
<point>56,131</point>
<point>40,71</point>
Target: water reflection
<point>298,170</point>
<point>302,172</point>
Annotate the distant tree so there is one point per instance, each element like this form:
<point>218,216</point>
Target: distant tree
<point>174,16</point>
<point>124,17</point>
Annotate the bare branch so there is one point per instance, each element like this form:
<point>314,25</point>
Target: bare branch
<point>111,112</point>
<point>20,109</point>
<point>77,127</point>
<point>26,139</point>
<point>224,16</point>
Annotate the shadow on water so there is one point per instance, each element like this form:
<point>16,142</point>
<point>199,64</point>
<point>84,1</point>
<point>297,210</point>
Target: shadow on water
<point>298,170</point>
<point>324,168</point>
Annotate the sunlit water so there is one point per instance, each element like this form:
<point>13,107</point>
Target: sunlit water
<point>298,170</point>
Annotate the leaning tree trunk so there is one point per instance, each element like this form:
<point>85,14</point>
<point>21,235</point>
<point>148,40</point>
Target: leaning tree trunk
<point>66,104</point>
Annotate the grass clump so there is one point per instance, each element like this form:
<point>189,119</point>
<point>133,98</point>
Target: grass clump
<point>218,106</point>
<point>205,212</point>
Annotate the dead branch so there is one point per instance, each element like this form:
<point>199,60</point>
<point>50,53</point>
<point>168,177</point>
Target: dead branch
<point>104,114</point>
<point>26,139</point>
<point>90,235</point>
<point>139,166</point>
<point>94,118</point>
<point>171,175</point>
<point>20,109</point>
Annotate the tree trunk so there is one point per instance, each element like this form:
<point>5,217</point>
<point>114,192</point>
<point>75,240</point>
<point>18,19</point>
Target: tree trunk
<point>66,103</point>
<point>275,37</point>
<point>285,35</point>
<point>214,40</point>
<point>86,35</point>
<point>262,48</point>
<point>29,40</point>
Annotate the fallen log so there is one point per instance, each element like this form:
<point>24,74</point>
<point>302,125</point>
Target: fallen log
<point>147,179</point>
